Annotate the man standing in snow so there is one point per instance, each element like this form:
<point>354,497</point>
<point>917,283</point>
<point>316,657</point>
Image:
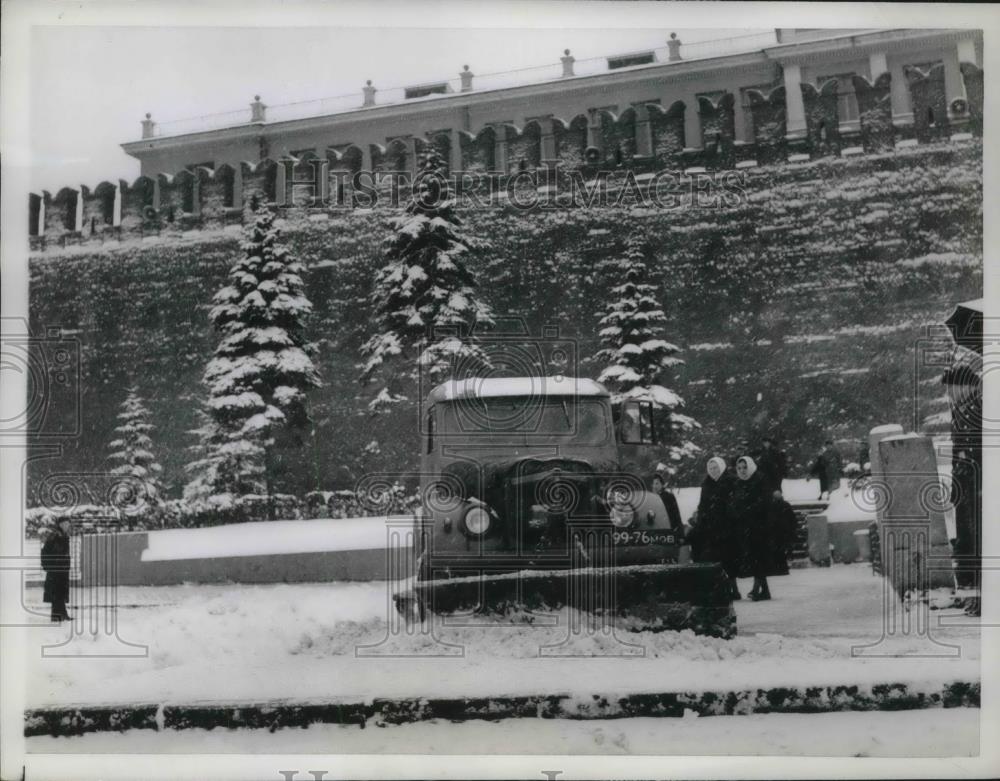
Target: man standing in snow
<point>827,467</point>
<point>56,563</point>
<point>772,466</point>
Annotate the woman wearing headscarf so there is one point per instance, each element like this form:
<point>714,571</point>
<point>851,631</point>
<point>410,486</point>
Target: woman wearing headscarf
<point>749,506</point>
<point>712,536</point>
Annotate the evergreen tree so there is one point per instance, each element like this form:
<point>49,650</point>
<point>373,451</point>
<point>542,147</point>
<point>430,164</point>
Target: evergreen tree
<point>261,370</point>
<point>634,351</point>
<point>425,295</point>
<point>132,451</point>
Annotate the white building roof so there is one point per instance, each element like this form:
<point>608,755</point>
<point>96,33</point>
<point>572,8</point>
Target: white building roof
<point>495,387</point>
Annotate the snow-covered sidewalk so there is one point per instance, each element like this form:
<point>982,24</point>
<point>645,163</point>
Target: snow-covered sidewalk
<point>322,642</point>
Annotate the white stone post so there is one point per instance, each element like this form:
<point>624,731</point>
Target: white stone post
<point>877,65</point>
<point>466,76</point>
<point>673,48</point>
<point>692,122</point>
<point>796,111</point>
<point>368,93</point>
<point>954,84</point>
<point>258,111</point>
<point>567,63</point>
<point>902,109</point>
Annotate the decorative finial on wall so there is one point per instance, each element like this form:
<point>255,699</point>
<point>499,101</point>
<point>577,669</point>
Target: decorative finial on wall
<point>258,111</point>
<point>567,63</point>
<point>674,48</point>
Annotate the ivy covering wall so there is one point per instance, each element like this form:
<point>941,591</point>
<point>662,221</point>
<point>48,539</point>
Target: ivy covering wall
<point>799,310</point>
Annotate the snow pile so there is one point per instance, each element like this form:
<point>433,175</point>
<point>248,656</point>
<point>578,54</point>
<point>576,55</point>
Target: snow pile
<point>321,642</point>
<point>269,538</point>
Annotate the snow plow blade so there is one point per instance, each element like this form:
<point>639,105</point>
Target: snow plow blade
<point>650,597</point>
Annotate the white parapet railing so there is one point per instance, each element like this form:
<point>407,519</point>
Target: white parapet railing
<point>388,96</point>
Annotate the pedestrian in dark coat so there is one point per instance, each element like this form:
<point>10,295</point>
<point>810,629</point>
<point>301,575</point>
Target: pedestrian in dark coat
<point>748,503</point>
<point>669,501</point>
<point>828,467</point>
<point>713,536</point>
<point>772,465</point>
<point>782,525</point>
<point>56,563</point>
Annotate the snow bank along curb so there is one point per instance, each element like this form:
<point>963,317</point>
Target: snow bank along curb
<point>351,549</point>
<point>66,721</point>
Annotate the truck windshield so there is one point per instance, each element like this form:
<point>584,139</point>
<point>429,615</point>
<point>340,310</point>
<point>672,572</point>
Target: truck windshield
<point>584,421</point>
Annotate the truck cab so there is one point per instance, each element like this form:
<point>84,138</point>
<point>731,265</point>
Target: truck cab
<point>515,470</point>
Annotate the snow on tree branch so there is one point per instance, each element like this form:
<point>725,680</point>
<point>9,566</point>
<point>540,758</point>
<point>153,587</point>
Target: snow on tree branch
<point>634,352</point>
<point>260,372</point>
<point>427,305</point>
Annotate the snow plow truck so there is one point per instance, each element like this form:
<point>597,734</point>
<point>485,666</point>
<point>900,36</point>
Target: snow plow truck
<point>534,499</point>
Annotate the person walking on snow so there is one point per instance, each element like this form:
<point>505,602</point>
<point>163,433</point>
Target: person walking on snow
<point>748,507</point>
<point>772,465</point>
<point>827,467</point>
<point>56,563</point>
<point>713,536</point>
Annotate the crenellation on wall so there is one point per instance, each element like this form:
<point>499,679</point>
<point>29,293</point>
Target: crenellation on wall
<point>176,201</point>
<point>930,102</point>
<point>571,141</point>
<point>98,210</point>
<point>478,151</point>
<point>972,75</point>
<point>60,213</point>
<point>822,120</point>
<point>769,125</point>
<point>215,195</point>
<point>259,182</point>
<point>875,112</point>
<point>617,136</point>
<point>718,132</point>
<point>524,147</point>
<point>667,131</point>
<point>139,215</point>
<point>644,137</point>
<point>34,216</point>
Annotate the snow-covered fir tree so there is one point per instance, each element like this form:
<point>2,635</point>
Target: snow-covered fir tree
<point>260,372</point>
<point>425,296</point>
<point>634,352</point>
<point>132,452</point>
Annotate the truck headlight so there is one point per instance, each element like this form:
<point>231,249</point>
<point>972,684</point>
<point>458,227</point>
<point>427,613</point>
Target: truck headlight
<point>477,521</point>
<point>622,516</point>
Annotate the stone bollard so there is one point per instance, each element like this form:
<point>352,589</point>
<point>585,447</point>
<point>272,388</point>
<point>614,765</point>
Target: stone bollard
<point>819,539</point>
<point>912,517</point>
<point>875,436</point>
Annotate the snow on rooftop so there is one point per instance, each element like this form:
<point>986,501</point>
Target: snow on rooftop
<point>266,538</point>
<point>494,387</point>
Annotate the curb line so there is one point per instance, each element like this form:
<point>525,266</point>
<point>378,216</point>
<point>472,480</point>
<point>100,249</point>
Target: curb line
<point>68,721</point>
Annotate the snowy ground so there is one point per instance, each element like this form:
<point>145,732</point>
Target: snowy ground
<point>323,642</point>
<point>921,733</point>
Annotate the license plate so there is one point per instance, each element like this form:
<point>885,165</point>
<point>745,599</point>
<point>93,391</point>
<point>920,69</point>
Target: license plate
<point>643,538</point>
